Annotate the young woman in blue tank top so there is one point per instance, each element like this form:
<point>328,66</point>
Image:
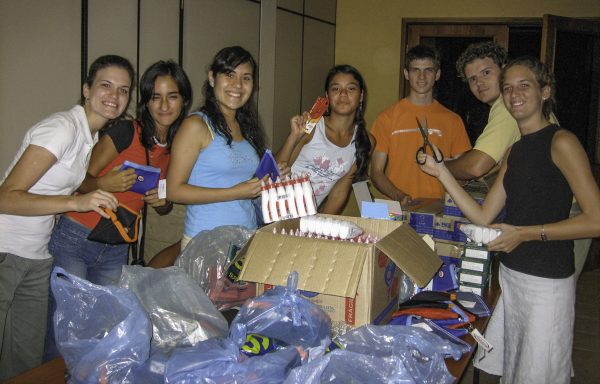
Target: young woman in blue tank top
<point>217,149</point>
<point>336,153</point>
<point>531,328</point>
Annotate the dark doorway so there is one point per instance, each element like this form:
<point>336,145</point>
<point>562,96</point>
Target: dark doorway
<point>451,91</point>
<point>455,94</point>
<point>451,41</point>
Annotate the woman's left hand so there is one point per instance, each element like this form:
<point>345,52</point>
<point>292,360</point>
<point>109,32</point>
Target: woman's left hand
<point>510,238</point>
<point>151,198</point>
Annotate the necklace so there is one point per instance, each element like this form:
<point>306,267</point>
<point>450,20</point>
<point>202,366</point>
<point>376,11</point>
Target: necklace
<point>158,143</point>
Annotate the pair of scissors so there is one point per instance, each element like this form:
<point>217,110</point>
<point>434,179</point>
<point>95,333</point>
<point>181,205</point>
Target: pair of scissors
<point>423,149</point>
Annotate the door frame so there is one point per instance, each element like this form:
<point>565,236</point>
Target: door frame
<point>497,28</point>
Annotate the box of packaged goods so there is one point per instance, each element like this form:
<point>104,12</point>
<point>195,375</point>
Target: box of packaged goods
<point>448,229</point>
<point>475,288</point>
<point>348,266</point>
<point>449,249</point>
<point>422,217</point>
<point>474,268</point>
<point>474,265</point>
<point>475,251</point>
<point>451,210</point>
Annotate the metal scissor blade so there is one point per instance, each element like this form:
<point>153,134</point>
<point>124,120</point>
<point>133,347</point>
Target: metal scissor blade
<point>423,131</point>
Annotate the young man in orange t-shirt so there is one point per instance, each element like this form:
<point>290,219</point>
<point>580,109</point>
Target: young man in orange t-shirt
<point>394,170</point>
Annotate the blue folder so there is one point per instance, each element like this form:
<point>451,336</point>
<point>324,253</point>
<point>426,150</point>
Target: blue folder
<point>147,177</point>
<point>267,166</point>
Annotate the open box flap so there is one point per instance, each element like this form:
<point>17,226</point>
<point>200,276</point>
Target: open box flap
<point>323,266</point>
<point>411,254</point>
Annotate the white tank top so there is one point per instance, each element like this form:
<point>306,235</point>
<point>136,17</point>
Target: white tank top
<point>324,161</point>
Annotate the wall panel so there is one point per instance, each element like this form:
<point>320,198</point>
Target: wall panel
<point>291,5</point>
<point>321,9</point>
<point>39,66</point>
<point>210,25</point>
<point>318,58</point>
<point>112,29</point>
<point>159,32</point>
<point>288,74</point>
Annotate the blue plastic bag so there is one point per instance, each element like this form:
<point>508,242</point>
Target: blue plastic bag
<point>101,332</point>
<point>381,354</point>
<point>344,367</point>
<point>281,313</point>
<point>219,360</point>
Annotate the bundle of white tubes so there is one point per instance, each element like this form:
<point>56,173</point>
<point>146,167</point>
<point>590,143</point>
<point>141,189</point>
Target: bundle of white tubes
<point>293,197</point>
<point>325,226</point>
<point>329,229</point>
<point>480,234</point>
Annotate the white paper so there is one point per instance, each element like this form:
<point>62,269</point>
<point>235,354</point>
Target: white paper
<point>162,188</point>
<point>393,205</point>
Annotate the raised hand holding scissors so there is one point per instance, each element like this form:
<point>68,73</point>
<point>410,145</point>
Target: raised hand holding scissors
<point>438,156</point>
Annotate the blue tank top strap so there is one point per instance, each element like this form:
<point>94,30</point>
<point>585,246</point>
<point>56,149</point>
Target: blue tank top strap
<point>207,120</point>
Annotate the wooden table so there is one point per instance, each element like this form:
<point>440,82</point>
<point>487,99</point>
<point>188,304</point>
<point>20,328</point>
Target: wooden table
<point>53,372</point>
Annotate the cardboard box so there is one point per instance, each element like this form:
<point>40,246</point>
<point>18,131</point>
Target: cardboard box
<point>475,265</point>
<point>447,229</point>
<point>449,249</point>
<point>355,283</point>
<point>470,277</point>
<point>450,208</point>
<point>475,288</point>
<point>474,251</point>
<point>422,217</point>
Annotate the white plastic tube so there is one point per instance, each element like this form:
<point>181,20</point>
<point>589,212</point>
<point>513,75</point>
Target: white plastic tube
<point>323,226</point>
<point>264,202</point>
<point>309,198</point>
<point>281,200</point>
<point>291,202</point>
<point>480,234</point>
<point>273,203</point>
<point>299,197</point>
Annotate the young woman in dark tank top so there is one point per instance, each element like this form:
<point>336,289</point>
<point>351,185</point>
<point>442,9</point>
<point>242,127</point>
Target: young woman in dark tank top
<point>532,326</point>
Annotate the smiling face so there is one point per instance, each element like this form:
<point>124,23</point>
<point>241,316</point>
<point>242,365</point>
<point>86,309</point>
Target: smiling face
<point>483,76</point>
<point>523,95</point>
<point>422,75</point>
<point>166,103</point>
<point>344,94</point>
<point>233,89</point>
<point>107,97</point>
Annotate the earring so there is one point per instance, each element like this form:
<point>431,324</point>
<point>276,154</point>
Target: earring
<point>212,83</point>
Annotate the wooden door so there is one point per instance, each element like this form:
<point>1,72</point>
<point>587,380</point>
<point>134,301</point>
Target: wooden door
<point>571,48</point>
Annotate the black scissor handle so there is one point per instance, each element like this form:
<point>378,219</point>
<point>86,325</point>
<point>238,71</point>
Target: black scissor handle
<point>433,154</point>
<point>419,151</point>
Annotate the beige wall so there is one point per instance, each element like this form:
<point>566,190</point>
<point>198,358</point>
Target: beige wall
<point>37,45</point>
<point>368,33</point>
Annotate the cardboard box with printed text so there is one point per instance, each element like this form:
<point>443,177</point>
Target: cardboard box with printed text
<point>355,283</point>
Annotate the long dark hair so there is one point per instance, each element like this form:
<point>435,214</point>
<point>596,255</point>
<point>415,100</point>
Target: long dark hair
<point>226,60</point>
<point>184,87</point>
<point>361,140</point>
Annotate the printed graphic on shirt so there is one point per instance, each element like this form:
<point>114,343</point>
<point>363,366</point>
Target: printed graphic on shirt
<point>241,159</point>
<point>325,168</point>
<point>430,131</point>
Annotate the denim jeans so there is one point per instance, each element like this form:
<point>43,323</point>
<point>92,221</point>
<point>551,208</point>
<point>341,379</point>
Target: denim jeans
<point>97,262</point>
